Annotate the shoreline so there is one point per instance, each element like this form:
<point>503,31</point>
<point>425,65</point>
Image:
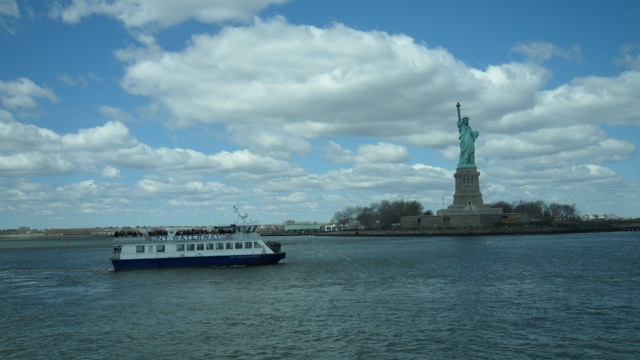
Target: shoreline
<point>396,232</point>
<point>461,232</point>
<point>41,236</point>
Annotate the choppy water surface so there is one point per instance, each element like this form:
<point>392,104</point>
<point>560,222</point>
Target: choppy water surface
<point>525,297</point>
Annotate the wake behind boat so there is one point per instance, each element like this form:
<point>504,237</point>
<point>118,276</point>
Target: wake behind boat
<point>219,246</point>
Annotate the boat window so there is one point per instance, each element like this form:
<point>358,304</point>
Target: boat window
<point>238,245</point>
<point>247,245</point>
<point>228,246</point>
<point>191,247</point>
<point>180,247</point>
<point>200,247</point>
<point>209,246</point>
<point>256,245</point>
<point>140,248</point>
<point>160,248</point>
<point>219,246</point>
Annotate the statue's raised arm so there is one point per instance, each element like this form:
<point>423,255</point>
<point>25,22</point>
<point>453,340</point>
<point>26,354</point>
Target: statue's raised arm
<point>467,141</point>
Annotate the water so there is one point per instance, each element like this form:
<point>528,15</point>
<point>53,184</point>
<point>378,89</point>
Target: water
<point>521,297</point>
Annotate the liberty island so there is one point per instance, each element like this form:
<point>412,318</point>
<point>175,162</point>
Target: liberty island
<point>468,209</point>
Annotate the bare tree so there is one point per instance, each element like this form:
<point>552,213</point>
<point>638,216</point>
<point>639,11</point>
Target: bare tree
<point>367,217</point>
<point>346,215</point>
<point>383,214</point>
<point>505,206</point>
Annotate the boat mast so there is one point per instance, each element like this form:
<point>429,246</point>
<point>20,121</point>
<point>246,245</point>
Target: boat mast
<point>240,216</point>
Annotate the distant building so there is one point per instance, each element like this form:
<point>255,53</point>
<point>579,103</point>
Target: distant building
<point>306,229</point>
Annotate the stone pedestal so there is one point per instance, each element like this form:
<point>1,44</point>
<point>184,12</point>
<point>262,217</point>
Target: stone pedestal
<point>467,188</point>
<point>467,200</point>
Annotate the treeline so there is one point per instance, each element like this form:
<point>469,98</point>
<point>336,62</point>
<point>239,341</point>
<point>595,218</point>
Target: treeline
<point>548,213</point>
<point>383,215</point>
<point>386,214</point>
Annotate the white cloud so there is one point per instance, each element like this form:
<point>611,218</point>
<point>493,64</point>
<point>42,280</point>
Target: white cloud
<point>5,116</point>
<point>243,163</point>
<point>630,56</point>
<point>112,135</point>
<point>542,51</point>
<point>507,86</point>
<point>332,81</point>
<point>295,197</point>
<point>334,152</point>
<point>22,93</point>
<point>368,153</point>
<point>382,153</point>
<point>268,140</point>
<point>9,8</point>
<point>32,163</point>
<point>559,146</point>
<point>28,149</point>
<point>81,80</point>
<point>10,16</point>
<point>116,114</point>
<point>590,100</point>
<point>179,194</point>
<point>162,13</point>
<point>110,172</point>
<point>16,137</point>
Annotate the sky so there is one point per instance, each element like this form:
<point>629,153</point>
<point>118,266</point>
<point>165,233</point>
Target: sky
<point>160,112</point>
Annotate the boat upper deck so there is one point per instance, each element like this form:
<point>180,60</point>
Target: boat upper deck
<point>144,236</point>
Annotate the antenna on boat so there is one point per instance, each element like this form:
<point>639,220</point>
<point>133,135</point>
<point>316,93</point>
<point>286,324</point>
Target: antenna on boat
<point>240,216</point>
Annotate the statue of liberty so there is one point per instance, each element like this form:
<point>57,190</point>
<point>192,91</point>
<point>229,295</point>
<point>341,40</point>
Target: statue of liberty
<point>467,142</point>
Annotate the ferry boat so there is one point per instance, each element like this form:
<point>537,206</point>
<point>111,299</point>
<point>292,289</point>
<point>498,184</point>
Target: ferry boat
<point>219,246</point>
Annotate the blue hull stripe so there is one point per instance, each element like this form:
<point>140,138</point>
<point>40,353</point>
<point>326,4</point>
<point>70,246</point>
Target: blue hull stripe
<point>200,261</point>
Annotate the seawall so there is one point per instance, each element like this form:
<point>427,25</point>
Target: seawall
<point>470,232</point>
